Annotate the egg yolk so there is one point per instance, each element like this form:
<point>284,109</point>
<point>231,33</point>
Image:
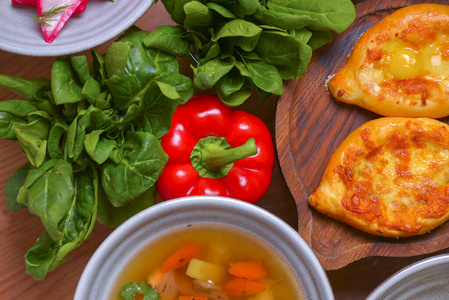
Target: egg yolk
<point>404,64</point>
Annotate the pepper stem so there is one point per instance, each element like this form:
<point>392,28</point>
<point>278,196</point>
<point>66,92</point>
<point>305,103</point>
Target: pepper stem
<point>214,157</point>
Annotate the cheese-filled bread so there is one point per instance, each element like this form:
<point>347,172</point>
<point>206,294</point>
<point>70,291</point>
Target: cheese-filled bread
<point>389,177</point>
<point>400,66</point>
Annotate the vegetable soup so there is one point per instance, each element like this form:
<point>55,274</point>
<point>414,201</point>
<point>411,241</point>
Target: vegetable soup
<point>211,262</point>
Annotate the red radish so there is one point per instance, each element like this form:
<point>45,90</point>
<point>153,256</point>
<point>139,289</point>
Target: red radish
<point>80,9</point>
<point>53,14</point>
<point>25,2</point>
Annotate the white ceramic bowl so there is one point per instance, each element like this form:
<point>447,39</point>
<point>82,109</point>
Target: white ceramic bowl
<point>99,23</point>
<point>426,279</point>
<point>97,280</point>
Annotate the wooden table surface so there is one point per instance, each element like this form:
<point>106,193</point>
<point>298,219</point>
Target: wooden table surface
<point>19,230</point>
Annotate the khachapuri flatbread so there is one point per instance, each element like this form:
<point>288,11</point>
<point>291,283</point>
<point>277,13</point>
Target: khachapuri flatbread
<point>400,66</point>
<point>389,177</point>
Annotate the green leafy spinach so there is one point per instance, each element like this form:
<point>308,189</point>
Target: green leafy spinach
<point>246,45</point>
<point>92,136</point>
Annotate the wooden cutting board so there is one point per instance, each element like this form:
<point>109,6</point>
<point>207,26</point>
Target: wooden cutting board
<point>309,127</point>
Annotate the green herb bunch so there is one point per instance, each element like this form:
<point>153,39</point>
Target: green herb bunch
<point>242,45</point>
<point>92,136</point>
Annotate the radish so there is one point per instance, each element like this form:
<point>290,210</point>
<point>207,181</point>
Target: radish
<point>25,2</point>
<point>79,10</point>
<point>81,7</point>
<point>53,14</point>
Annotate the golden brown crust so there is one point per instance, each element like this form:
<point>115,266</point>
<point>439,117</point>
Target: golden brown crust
<point>367,80</point>
<point>390,177</point>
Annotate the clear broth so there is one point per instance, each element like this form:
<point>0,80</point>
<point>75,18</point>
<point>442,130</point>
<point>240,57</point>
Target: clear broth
<point>232,246</point>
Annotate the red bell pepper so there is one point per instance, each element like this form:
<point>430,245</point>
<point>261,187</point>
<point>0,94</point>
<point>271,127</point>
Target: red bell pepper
<point>216,150</point>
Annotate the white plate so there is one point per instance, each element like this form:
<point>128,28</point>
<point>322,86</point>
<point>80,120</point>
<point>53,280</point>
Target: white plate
<point>426,279</point>
<point>101,21</point>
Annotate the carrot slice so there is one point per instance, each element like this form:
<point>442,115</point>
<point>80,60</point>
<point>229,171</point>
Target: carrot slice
<point>192,298</point>
<point>249,269</point>
<point>236,287</point>
<point>182,256</point>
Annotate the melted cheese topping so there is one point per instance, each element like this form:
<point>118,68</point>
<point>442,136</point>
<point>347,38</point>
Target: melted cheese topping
<point>399,180</point>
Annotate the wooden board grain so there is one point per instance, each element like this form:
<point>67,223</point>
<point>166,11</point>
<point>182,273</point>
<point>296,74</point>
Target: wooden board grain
<point>309,127</point>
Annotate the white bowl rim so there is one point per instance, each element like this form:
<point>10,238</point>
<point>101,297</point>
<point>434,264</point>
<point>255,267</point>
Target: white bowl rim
<point>406,274</point>
<point>314,266</point>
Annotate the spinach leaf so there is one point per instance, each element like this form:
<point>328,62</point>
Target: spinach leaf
<point>287,53</point>
<point>28,88</point>
<point>176,9</point>
<point>15,182</point>
<point>319,38</point>
<point>18,107</point>
<point>81,67</point>
<point>56,140</point>
<point>334,15</point>
<point>33,139</point>
<point>197,16</point>
<point>99,148</point>
<point>283,20</point>
<point>142,162</point>
<point>7,123</point>
<point>265,76</point>
<point>273,38</point>
<point>110,215</point>
<point>169,39</point>
<point>131,79</point>
<point>92,91</point>
<point>237,28</point>
<point>50,194</point>
<point>207,75</point>
<point>92,124</point>
<point>48,253</point>
<point>65,84</point>
<point>220,10</point>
